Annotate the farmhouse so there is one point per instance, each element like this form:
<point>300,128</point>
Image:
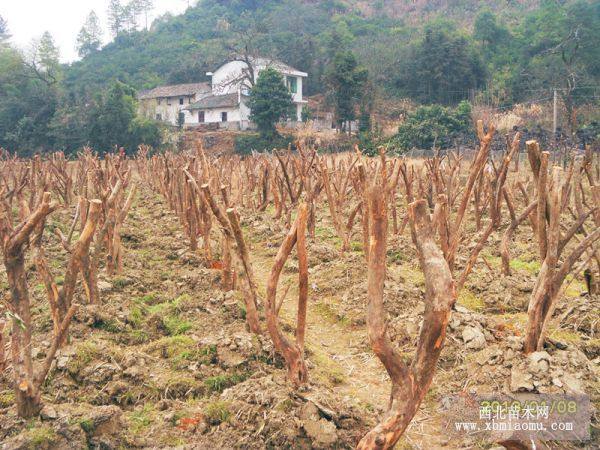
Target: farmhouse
<point>222,103</point>
<point>165,103</point>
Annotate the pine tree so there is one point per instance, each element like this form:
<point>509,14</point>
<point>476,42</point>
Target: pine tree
<point>116,16</point>
<point>89,38</point>
<point>346,79</point>
<point>48,53</point>
<point>4,34</point>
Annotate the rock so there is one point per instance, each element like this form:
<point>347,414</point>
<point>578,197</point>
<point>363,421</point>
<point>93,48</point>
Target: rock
<point>62,362</point>
<point>104,286</point>
<point>539,362</point>
<point>106,420</point>
<point>572,384</point>
<point>520,380</point>
<point>473,338</point>
<point>514,343</point>
<point>48,413</point>
<point>321,431</point>
<point>229,358</point>
<point>557,382</point>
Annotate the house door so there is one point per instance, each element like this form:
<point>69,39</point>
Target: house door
<point>201,116</point>
<point>223,117</point>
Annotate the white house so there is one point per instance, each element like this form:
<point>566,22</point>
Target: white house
<point>165,103</point>
<point>222,103</point>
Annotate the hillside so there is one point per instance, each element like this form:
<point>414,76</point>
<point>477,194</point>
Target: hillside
<point>182,48</point>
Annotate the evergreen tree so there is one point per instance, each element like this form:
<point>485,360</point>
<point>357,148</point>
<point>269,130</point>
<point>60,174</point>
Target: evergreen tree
<point>4,34</point>
<point>112,117</point>
<point>270,101</point>
<point>116,17</point>
<point>346,80</point>
<point>442,67</point>
<point>48,52</point>
<point>89,38</point>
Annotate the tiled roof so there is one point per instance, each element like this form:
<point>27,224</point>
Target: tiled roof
<point>216,101</point>
<point>175,90</point>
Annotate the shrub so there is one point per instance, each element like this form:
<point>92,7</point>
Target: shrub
<point>434,125</point>
<point>247,143</point>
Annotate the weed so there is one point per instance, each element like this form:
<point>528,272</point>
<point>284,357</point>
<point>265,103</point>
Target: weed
<point>7,398</point>
<point>527,266</point>
<point>217,412</point>
<point>175,326</point>
<point>220,382</point>
<point>470,301</point>
<point>141,418</point>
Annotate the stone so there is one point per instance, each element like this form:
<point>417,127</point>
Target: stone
<point>104,286</point>
<point>48,413</point>
<point>473,338</point>
<point>556,382</point>
<point>321,431</point>
<point>61,362</point>
<point>572,384</point>
<point>539,362</point>
<point>520,380</point>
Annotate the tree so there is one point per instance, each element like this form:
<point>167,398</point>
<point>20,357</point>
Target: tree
<point>116,17</point>
<point>89,38</point>
<point>114,122</point>
<point>4,34</point>
<point>131,13</point>
<point>434,125</point>
<point>270,101</point>
<point>145,6</point>
<point>112,118</point>
<point>346,79</point>
<point>442,67</point>
<point>48,53</point>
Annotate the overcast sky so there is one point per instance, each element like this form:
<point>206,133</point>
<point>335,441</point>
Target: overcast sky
<point>28,19</point>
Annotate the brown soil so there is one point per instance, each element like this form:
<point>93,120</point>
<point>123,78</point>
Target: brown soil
<point>166,360</point>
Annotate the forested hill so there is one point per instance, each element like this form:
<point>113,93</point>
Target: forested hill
<point>481,40</point>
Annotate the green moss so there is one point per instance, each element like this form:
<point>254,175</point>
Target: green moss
<point>217,412</point>
<point>470,301</point>
<point>527,266</point>
<point>356,246</point>
<point>326,370</point>
<point>7,398</point>
<point>565,336</point>
<point>326,311</point>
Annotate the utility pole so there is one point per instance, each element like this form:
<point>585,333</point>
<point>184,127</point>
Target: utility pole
<point>555,115</point>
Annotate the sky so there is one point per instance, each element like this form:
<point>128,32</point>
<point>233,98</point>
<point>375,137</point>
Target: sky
<point>28,19</point>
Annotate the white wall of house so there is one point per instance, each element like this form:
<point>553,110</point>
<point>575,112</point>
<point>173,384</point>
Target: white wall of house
<point>228,79</point>
<point>165,109</point>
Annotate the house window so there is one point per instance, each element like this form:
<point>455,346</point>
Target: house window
<point>201,118</point>
<point>292,84</point>
<point>169,101</point>
<point>181,101</point>
<point>224,116</point>
<point>158,117</point>
<point>159,101</point>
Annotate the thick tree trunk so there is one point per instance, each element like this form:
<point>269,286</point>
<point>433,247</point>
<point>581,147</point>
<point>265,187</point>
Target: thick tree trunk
<point>409,383</point>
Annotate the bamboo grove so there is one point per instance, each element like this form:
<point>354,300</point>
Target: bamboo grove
<point>366,199</point>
